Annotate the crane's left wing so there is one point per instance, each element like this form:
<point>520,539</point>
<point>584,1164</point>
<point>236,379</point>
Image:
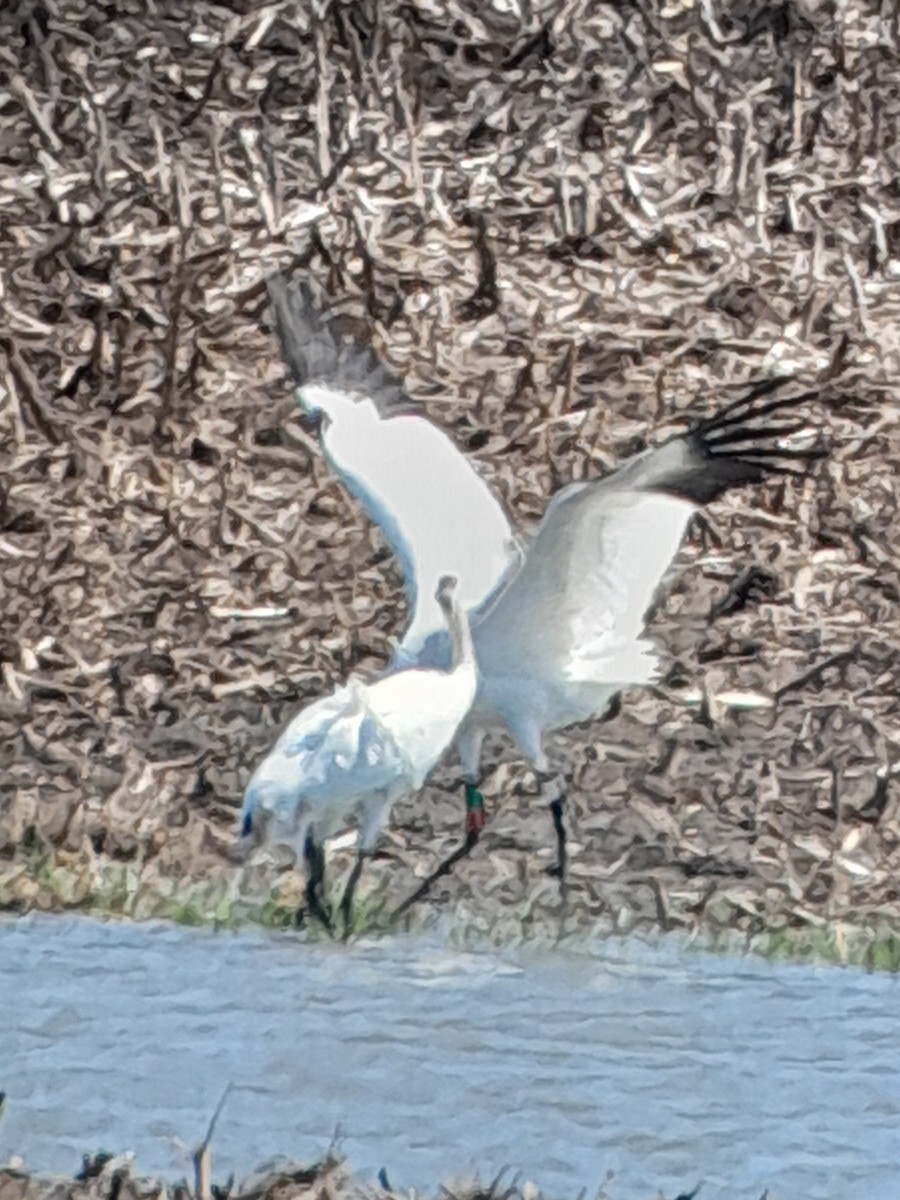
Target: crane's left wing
<point>437,513</point>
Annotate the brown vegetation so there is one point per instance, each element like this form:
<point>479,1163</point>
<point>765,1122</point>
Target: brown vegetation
<point>107,1178</point>
<point>561,230</point>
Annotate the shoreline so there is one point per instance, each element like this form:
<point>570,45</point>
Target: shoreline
<point>111,1177</point>
<point>218,906</point>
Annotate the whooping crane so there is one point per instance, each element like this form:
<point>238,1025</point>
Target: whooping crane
<point>558,623</point>
<point>356,752</point>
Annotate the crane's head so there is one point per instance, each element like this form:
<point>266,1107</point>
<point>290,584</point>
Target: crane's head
<point>446,589</point>
<point>273,806</point>
<point>324,403</point>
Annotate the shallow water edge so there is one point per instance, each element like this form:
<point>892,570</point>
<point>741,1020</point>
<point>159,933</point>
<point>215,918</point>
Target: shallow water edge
<point>418,1058</point>
<point>124,891</point>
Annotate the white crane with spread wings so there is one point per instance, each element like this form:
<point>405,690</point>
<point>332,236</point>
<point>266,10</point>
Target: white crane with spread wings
<point>557,622</point>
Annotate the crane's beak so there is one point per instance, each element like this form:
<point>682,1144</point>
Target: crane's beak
<point>311,423</point>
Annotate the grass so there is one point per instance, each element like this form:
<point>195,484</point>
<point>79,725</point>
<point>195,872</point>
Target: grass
<point>125,890</point>
<point>835,943</point>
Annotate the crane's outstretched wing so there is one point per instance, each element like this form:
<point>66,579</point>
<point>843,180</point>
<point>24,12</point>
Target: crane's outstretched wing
<point>435,510</point>
<point>565,631</point>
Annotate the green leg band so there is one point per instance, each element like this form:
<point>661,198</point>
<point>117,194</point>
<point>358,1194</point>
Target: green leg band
<point>475,817</point>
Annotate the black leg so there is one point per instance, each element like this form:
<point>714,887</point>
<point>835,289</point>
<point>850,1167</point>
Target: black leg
<point>475,819</point>
<point>315,882</point>
<point>557,808</point>
<point>347,898</point>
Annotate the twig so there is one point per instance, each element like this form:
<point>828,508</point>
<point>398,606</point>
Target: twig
<point>858,295</point>
<point>323,138</point>
<point>29,390</point>
<point>179,284</point>
<point>261,613</point>
<point>20,89</point>
<point>249,139</point>
<point>206,94</point>
<point>202,1156</point>
<point>833,660</point>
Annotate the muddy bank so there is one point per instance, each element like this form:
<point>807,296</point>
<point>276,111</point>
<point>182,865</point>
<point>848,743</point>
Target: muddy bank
<point>104,1177</point>
<point>562,232</point>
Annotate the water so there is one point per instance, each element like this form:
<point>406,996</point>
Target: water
<point>665,1068</point>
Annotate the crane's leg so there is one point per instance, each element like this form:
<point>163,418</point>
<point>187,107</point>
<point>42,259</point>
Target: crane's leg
<point>315,881</point>
<point>557,808</point>
<point>475,815</point>
<point>349,890</point>
<point>372,814</point>
<point>556,800</point>
<point>475,819</point>
<point>528,733</point>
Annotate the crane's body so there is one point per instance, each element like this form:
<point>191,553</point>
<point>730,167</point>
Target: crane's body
<point>581,652</point>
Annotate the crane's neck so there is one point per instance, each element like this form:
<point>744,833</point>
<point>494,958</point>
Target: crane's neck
<point>462,649</point>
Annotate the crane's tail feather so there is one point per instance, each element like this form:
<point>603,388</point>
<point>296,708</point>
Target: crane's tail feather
<point>315,352</point>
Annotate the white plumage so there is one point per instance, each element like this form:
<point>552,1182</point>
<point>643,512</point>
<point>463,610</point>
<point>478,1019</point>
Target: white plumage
<point>414,482</point>
<point>356,752</point>
<point>564,635</point>
<point>425,496</point>
<point>557,623</point>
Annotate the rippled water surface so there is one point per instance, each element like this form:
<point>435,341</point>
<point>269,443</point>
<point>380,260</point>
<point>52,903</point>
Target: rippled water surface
<point>664,1068</point>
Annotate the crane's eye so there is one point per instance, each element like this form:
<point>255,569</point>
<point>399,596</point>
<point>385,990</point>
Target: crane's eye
<point>314,422</point>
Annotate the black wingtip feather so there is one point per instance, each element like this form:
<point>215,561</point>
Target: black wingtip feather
<point>742,443</point>
<point>729,437</point>
<point>315,352</point>
<point>746,408</point>
<point>786,452</point>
